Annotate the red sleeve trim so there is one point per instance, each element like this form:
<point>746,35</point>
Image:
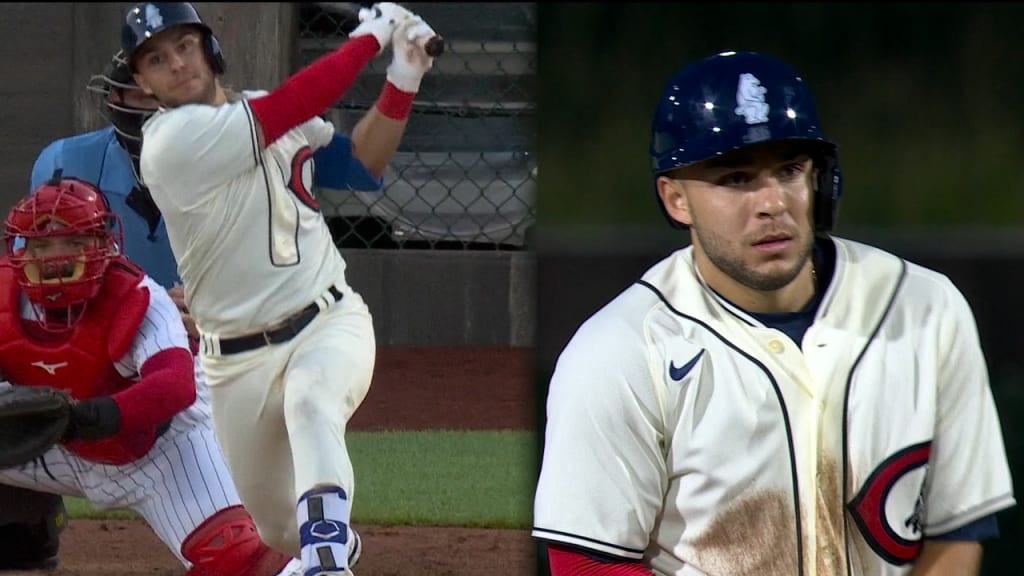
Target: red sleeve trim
<point>312,90</point>
<point>568,561</point>
<point>394,103</point>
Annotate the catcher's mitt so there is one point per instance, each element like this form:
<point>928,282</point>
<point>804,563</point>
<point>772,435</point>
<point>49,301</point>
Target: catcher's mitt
<point>32,419</point>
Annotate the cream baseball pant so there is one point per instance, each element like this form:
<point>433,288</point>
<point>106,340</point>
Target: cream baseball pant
<point>281,410</point>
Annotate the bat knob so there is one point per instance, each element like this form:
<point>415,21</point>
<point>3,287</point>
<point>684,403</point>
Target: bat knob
<point>434,47</point>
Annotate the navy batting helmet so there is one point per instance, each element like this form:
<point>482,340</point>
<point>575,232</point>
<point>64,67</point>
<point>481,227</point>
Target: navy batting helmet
<point>737,99</point>
<point>150,18</point>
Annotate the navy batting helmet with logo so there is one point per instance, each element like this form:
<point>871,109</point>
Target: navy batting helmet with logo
<point>732,100</point>
<point>150,18</point>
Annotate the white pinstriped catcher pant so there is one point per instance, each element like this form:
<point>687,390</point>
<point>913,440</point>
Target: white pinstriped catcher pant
<point>179,484</point>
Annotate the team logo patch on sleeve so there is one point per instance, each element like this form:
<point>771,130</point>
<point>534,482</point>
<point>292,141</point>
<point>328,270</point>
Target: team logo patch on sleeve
<point>888,509</point>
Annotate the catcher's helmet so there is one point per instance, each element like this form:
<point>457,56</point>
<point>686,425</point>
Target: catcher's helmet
<point>62,207</point>
<point>150,18</point>
<point>732,100</point>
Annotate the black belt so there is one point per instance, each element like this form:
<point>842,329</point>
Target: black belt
<point>288,329</point>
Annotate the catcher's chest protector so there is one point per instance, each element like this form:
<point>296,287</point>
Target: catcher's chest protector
<point>82,364</point>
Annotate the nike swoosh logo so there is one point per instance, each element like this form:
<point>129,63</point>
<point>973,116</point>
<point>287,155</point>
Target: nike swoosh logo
<point>677,374</point>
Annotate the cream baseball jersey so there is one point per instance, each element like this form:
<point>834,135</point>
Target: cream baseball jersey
<point>251,243</point>
<point>684,432</point>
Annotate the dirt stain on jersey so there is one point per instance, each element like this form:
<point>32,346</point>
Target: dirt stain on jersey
<point>755,535</point>
<point>831,551</point>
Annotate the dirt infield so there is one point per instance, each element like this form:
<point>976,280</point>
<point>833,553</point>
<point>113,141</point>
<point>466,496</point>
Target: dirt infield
<point>464,389</point>
<point>470,388</point>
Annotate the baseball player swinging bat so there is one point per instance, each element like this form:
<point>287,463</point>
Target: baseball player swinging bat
<point>355,13</point>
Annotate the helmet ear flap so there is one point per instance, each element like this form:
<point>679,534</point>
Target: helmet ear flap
<point>214,54</point>
<point>827,190</point>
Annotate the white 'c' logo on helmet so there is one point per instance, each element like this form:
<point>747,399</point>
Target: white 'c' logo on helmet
<point>153,17</point>
<point>750,101</point>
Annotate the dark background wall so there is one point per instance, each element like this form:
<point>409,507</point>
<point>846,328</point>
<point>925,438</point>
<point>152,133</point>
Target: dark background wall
<point>36,95</point>
<point>921,98</point>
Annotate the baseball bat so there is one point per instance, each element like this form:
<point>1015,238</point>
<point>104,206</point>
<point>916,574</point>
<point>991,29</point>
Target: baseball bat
<point>353,14</point>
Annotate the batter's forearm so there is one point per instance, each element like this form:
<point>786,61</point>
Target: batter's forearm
<point>948,558</point>
<point>312,90</point>
<point>167,387</point>
<point>375,138</point>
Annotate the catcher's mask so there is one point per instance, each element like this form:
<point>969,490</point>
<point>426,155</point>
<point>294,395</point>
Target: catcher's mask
<point>110,89</point>
<point>69,240</point>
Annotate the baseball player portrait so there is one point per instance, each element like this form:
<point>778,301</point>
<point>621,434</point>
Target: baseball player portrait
<point>772,398</point>
<point>286,344</point>
<point>102,398</point>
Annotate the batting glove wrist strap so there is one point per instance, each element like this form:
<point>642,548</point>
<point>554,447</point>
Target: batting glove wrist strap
<point>394,103</point>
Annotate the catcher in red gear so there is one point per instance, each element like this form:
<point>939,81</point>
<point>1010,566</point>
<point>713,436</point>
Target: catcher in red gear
<point>81,323</point>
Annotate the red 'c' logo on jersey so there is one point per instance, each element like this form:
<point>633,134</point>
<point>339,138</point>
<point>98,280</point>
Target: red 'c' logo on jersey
<point>301,180</point>
<point>893,539</point>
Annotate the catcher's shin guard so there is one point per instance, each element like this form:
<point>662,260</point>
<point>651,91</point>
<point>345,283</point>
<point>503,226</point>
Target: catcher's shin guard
<point>227,544</point>
<point>30,527</point>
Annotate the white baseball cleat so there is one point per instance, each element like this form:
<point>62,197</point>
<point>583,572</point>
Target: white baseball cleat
<point>355,547</point>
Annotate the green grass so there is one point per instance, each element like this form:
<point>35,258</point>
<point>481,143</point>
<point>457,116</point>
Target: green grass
<point>438,477</point>
<point>79,508</point>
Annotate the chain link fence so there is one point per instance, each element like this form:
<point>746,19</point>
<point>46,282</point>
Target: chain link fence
<point>464,176</point>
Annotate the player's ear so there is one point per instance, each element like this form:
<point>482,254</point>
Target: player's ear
<point>673,197</point>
